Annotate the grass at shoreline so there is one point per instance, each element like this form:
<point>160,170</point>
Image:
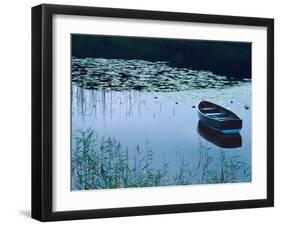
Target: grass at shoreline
<point>102,163</point>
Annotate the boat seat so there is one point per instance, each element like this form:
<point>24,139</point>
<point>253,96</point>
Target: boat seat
<point>214,114</point>
<point>207,109</point>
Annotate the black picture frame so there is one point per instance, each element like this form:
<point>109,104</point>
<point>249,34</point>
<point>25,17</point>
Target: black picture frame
<point>42,107</point>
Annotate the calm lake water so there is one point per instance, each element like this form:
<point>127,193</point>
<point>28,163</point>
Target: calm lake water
<point>161,117</point>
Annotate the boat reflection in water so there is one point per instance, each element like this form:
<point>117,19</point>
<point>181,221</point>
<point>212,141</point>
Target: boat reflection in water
<point>219,139</point>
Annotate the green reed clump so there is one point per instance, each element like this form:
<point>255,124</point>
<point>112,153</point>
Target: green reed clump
<point>101,163</point>
<point>226,169</point>
<point>185,174</point>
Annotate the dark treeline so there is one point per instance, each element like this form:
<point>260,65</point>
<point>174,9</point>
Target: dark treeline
<point>225,58</point>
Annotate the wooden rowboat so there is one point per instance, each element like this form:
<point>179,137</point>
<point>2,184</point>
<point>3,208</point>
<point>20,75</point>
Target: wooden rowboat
<point>218,118</point>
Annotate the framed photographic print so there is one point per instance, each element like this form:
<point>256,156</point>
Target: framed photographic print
<point>145,112</point>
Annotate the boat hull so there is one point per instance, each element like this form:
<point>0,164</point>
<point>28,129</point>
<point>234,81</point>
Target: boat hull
<point>229,126</point>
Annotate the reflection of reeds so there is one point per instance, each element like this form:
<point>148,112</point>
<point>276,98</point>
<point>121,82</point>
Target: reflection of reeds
<point>100,163</point>
<point>104,104</point>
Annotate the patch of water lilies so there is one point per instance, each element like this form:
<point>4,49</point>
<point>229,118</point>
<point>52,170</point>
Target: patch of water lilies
<point>121,75</point>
